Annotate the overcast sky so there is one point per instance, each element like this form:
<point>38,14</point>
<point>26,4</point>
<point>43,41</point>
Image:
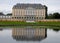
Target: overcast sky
<point>53,5</point>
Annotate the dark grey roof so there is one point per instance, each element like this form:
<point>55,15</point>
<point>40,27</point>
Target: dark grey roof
<point>23,6</point>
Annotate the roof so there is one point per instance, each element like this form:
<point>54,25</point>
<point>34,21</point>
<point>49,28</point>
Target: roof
<point>24,6</point>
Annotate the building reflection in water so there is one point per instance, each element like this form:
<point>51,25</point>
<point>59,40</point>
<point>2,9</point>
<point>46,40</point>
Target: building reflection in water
<point>29,33</point>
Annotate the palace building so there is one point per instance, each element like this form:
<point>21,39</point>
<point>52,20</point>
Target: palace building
<point>29,12</point>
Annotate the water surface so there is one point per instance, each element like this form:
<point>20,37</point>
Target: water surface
<point>29,35</point>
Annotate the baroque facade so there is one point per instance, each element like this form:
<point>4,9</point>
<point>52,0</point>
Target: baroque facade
<point>29,12</point>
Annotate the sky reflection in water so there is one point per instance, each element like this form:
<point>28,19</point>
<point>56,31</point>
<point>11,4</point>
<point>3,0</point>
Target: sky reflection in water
<point>29,35</point>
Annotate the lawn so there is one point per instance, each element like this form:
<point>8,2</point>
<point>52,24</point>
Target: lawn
<point>18,23</point>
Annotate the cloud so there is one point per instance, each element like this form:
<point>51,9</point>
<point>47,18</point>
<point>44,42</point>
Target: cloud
<point>53,5</point>
<point>5,8</point>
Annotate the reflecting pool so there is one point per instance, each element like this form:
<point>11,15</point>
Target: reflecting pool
<point>29,34</point>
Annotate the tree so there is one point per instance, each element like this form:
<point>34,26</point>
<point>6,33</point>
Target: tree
<point>1,13</point>
<point>50,16</point>
<point>56,15</point>
<point>9,14</point>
